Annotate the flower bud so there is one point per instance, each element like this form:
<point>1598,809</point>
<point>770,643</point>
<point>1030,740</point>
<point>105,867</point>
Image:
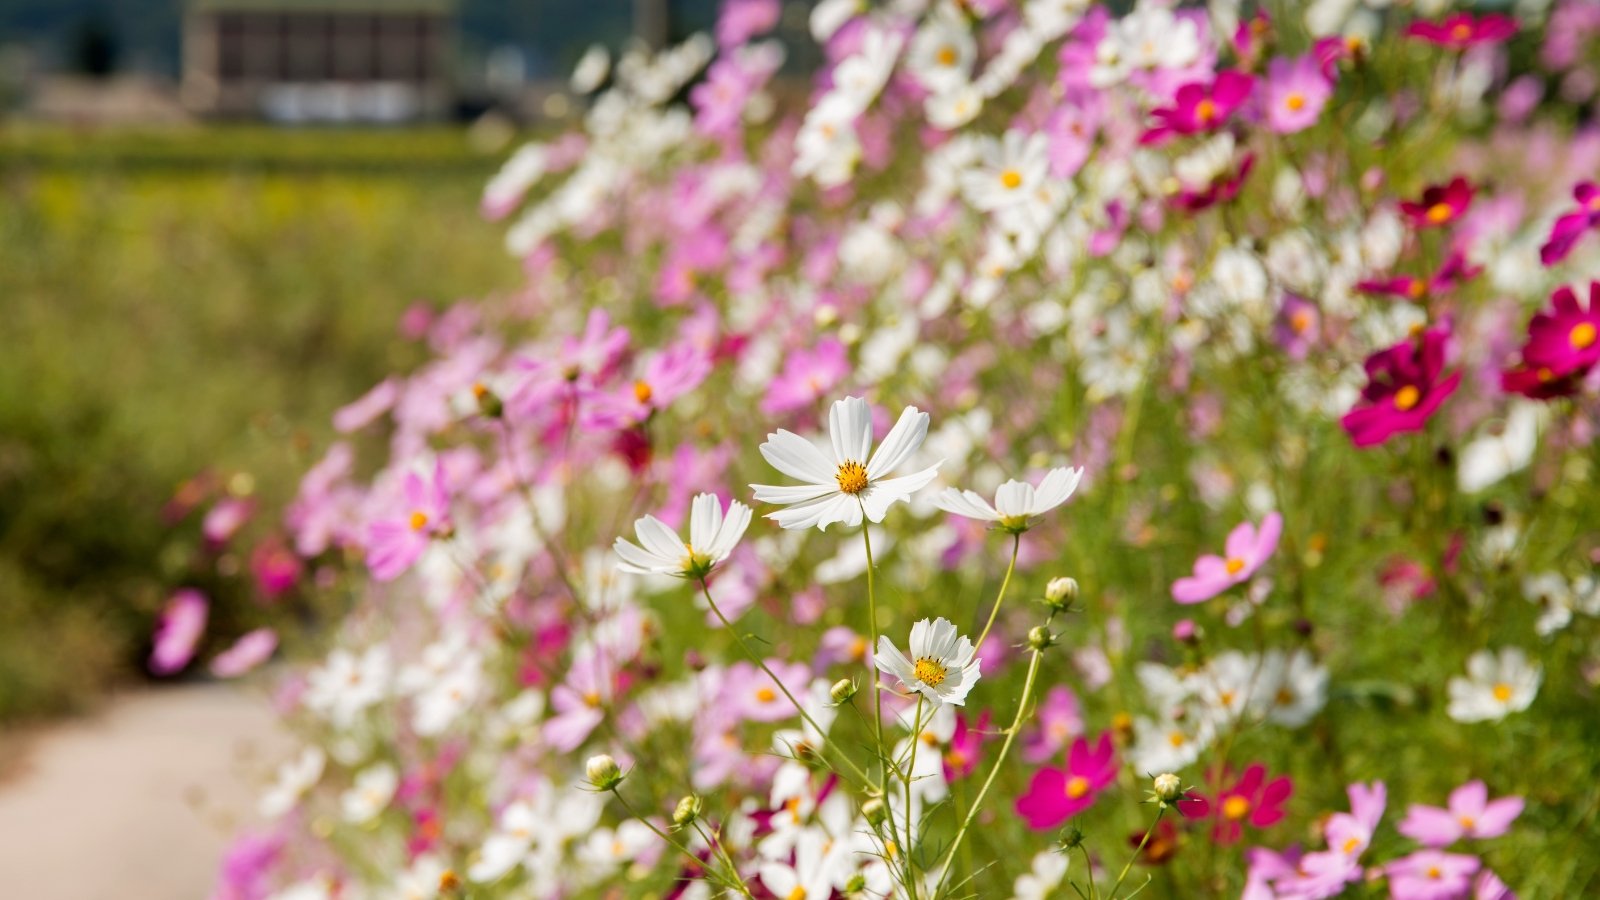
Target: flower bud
<point>1071,837</point>
<point>856,885</point>
<point>1039,637</point>
<point>687,811</point>
<point>1186,631</point>
<point>842,690</point>
<point>603,772</point>
<point>875,811</point>
<point>489,403</point>
<point>1167,787</point>
<point>1061,592</point>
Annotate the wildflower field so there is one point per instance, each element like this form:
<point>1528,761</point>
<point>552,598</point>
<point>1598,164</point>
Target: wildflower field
<point>1061,451</point>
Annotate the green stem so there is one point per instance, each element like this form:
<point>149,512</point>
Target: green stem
<point>1005,748</point>
<point>877,688</point>
<point>1142,841</point>
<point>735,882</point>
<point>1016,544</point>
<point>822,733</point>
<point>911,767</point>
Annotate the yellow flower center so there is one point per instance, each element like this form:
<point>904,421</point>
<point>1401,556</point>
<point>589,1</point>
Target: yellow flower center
<point>858,648</point>
<point>1284,697</point>
<point>1011,178</point>
<point>1434,873</point>
<point>642,391</point>
<point>1460,32</point>
<point>1502,692</point>
<point>1077,786</point>
<point>852,477</point>
<point>766,695</point>
<point>1468,822</point>
<point>946,55</point>
<point>1439,212</point>
<point>1582,336</point>
<point>1296,101</point>
<point>1177,738</point>
<point>1416,288</point>
<point>1205,110</point>
<point>1300,322</point>
<point>1351,845</point>
<point>1235,565</point>
<point>930,671</point>
<point>1226,698</point>
<point>1594,203</point>
<point>799,893</point>
<point>1236,807</point>
<point>419,520</point>
<point>1406,397</point>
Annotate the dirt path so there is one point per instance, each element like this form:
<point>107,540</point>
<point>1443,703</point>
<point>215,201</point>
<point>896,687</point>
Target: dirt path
<point>136,802</point>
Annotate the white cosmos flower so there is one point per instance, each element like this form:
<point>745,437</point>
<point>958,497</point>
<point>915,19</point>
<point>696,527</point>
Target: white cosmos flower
<point>1496,684</point>
<point>1049,868</point>
<point>943,666</point>
<point>1008,172</point>
<point>850,483</point>
<point>295,777</point>
<point>942,53</point>
<point>1016,502</point>
<point>371,793</point>
<point>591,70</point>
<point>711,538</point>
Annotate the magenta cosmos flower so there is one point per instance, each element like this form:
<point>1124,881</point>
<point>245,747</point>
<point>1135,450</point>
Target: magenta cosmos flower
<point>1568,229</point>
<point>1563,345</point>
<point>1056,795</point>
<point>1405,384</point>
<point>1455,270</point>
<point>1440,204</point>
<point>1463,30</point>
<point>182,624</point>
<point>807,377</point>
<point>1469,814</point>
<point>1431,875</point>
<point>424,513</point>
<point>1199,107</point>
<point>1296,91</point>
<point>1252,799</point>
<point>1247,548</point>
<point>966,746</point>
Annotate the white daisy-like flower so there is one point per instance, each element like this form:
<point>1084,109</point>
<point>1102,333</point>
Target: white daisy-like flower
<point>942,53</point>
<point>1016,503</point>
<point>371,793</point>
<point>1049,869</point>
<point>1496,685</point>
<point>943,666</point>
<point>712,536</point>
<point>1008,172</point>
<point>853,482</point>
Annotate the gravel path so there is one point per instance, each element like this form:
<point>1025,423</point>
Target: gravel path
<point>136,802</point>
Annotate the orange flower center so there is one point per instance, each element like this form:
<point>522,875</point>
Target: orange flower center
<point>1468,822</point>
<point>1011,179</point>
<point>930,671</point>
<point>1440,212</point>
<point>1434,873</point>
<point>799,893</point>
<point>1351,845</point>
<point>1236,807</point>
<point>1177,738</point>
<point>1461,31</point>
<point>1416,288</point>
<point>1502,692</point>
<point>419,520</point>
<point>1407,397</point>
<point>858,648</point>
<point>946,56</point>
<point>766,695</point>
<point>1301,321</point>
<point>1077,786</point>
<point>1582,336</point>
<point>642,391</point>
<point>1296,101</point>
<point>1206,110</point>
<point>1235,565</point>
<point>852,477</point>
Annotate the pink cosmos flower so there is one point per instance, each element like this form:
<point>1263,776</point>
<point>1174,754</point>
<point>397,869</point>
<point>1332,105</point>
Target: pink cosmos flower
<point>962,753</point>
<point>1247,548</point>
<point>741,20</point>
<point>178,632</point>
<point>1431,875</point>
<point>1470,814</point>
<point>366,409</point>
<point>579,703</point>
<point>1298,327</point>
<point>1567,230</point>
<point>225,519</point>
<point>579,362</point>
<point>1406,384</point>
<point>1222,189</point>
<point>1324,872</point>
<point>1199,107</point>
<point>1463,30</point>
<point>394,544</point>
<point>1563,345</point>
<point>1488,886</point>
<point>251,649</point>
<point>1265,866</point>
<point>1252,799</point>
<point>667,376</point>
<point>1455,270</point>
<point>1440,204</point>
<point>1056,795</point>
<point>1060,720</point>
<point>1296,92</point>
<point>807,376</point>
<point>275,568</point>
<point>752,695</point>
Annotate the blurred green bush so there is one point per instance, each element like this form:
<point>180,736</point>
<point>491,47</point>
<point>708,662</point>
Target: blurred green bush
<point>185,299</point>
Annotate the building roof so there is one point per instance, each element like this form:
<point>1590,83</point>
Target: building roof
<point>441,7</point>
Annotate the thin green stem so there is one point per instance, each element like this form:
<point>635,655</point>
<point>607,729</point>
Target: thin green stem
<point>911,768</point>
<point>1160,810</point>
<point>994,772</point>
<point>877,689</point>
<point>718,847</point>
<point>1016,544</point>
<point>1088,869</point>
<point>735,882</point>
<point>822,733</point>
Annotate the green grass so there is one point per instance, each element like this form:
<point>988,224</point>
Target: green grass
<point>190,299</point>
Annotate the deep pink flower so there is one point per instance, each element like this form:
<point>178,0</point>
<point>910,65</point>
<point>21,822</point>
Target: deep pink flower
<point>1440,204</point>
<point>1463,30</point>
<point>393,544</point>
<point>1348,834</point>
<point>1056,795</point>
<point>1563,345</point>
<point>1223,189</point>
<point>807,376</point>
<point>1296,92</point>
<point>666,376</point>
<point>965,748</point>
<point>1247,548</point>
<point>1199,107</point>
<point>1252,799</point>
<point>1470,813</point>
<point>1455,270</point>
<point>1431,875</point>
<point>251,649</point>
<point>178,632</point>
<point>1299,326</point>
<point>1060,720</point>
<point>1406,384</point>
<point>1568,229</point>
<point>275,568</point>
